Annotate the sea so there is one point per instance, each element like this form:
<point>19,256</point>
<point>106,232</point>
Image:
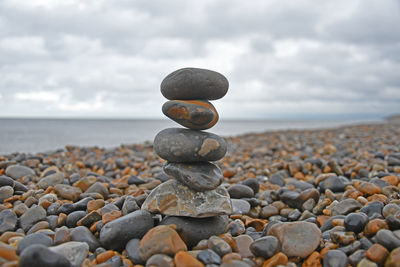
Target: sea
<point>46,135</point>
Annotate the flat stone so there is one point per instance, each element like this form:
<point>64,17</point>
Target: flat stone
<point>240,191</point>
<point>74,252</point>
<point>98,188</point>
<point>220,246</point>
<point>174,198</point>
<point>18,171</point>
<point>208,256</point>
<point>184,145</point>
<point>51,180</point>
<point>38,256</point>
<point>193,114</point>
<point>193,84</point>
<point>8,220</point>
<point>5,180</point>
<point>200,176</point>
<point>192,230</point>
<point>32,216</point>
<point>130,205</point>
<point>265,247</point>
<point>240,206</point>
<point>6,192</point>
<point>161,260</point>
<point>162,239</point>
<point>116,234</point>
<point>298,239</point>
<point>334,183</point>
<point>355,222</point>
<point>184,259</point>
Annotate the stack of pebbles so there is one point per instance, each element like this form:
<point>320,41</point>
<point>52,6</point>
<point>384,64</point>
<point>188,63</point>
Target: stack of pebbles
<point>195,190</point>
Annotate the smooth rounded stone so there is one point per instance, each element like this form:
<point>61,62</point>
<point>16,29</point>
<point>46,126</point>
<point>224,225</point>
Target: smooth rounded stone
<point>32,239</point>
<point>240,206</point>
<point>387,239</point>
<point>294,215</point>
<point>366,263</point>
<point>174,198</point>
<point>129,205</point>
<point>67,192</point>
<point>53,221</point>
<point>133,179</point>
<point>194,83</point>
<point>162,239</point>
<point>5,180</point>
<point>346,206</point>
<point>356,257</point>
<point>83,234</point>
<point>243,245</point>
<point>38,256</point>
<point>297,239</point>
<point>365,243</point>
<point>265,247</point>
<point>199,176</point>
<point>240,191</point>
<point>132,249</point>
<point>38,226</point>
<point>335,258</point>
<point>82,204</point>
<point>74,252</point>
<point>18,171</point>
<point>98,188</point>
<point>116,234</point>
<point>333,183</point>
<point>192,230</point>
<point>373,208</point>
<point>66,208</point>
<point>355,222</point>
<point>74,217</point>
<point>160,260</point>
<point>193,114</point>
<point>184,145</point>
<point>6,192</point>
<point>253,184</point>
<point>351,247</point>
<point>32,216</point>
<point>8,220</point>
<point>277,179</point>
<point>268,211</point>
<point>220,246</point>
<point>390,209</point>
<point>208,256</point>
<point>51,180</point>
<point>393,259</point>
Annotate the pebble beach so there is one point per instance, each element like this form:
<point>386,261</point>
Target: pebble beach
<point>327,197</point>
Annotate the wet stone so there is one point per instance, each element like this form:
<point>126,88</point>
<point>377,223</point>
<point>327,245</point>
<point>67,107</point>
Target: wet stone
<point>193,114</point>
<point>184,145</point>
<point>200,176</point>
<point>193,84</point>
<point>174,198</point>
<point>265,247</point>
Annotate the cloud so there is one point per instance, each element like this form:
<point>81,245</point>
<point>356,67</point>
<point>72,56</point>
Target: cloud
<point>102,58</point>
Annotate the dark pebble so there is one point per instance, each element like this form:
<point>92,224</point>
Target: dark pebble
<point>355,222</point>
<point>387,239</point>
<point>240,191</point>
<point>39,256</point>
<point>8,221</point>
<point>208,256</point>
<point>334,183</point>
<point>265,247</point>
<point>32,239</point>
<point>132,249</point>
<point>373,208</point>
<point>83,234</point>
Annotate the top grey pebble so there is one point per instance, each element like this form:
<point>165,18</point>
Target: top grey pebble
<point>194,84</point>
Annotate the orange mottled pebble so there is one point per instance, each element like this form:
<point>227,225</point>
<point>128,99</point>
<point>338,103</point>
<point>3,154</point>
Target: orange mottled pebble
<point>391,179</point>
<point>110,216</point>
<point>314,260</point>
<point>105,256</point>
<point>369,189</point>
<point>184,259</point>
<point>62,217</point>
<point>95,204</point>
<point>278,259</point>
<point>377,253</point>
<point>374,226</point>
<point>322,219</point>
<point>231,256</point>
<point>8,252</point>
<point>328,246</point>
<point>127,263</point>
<point>377,197</point>
<point>338,222</point>
<point>7,235</point>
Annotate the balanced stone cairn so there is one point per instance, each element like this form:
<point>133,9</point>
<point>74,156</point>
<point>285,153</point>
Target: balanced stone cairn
<point>195,190</point>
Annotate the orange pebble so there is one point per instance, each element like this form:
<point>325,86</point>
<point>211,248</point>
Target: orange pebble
<point>391,179</point>
<point>377,253</point>
<point>184,259</point>
<point>105,256</point>
<point>278,259</point>
<point>314,260</point>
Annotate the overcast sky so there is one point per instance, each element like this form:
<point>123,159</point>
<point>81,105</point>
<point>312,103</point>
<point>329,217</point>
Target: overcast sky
<point>283,59</point>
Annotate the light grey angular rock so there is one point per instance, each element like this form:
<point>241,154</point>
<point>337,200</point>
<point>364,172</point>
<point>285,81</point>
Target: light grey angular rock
<point>73,251</point>
<point>176,199</point>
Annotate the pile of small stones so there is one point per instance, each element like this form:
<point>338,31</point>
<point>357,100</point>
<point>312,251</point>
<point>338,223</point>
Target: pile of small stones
<point>326,197</point>
<point>194,190</point>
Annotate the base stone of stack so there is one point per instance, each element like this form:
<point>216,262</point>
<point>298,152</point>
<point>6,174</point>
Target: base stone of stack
<point>176,199</point>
